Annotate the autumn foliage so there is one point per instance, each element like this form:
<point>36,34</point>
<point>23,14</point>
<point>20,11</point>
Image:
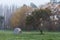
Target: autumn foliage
<point>18,17</point>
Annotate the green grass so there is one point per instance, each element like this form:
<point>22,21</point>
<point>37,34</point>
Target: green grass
<point>8,35</point>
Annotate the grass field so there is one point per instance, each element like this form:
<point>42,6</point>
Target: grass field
<point>8,35</point>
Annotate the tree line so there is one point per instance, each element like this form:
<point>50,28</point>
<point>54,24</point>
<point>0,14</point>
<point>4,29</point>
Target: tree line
<point>38,20</point>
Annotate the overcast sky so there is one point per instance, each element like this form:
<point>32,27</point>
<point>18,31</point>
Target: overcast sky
<point>21,2</point>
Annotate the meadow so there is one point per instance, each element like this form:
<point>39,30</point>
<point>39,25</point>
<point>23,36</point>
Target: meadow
<point>33,35</point>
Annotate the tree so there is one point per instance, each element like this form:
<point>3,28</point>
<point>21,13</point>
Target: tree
<point>33,5</point>
<point>18,17</point>
<point>1,21</point>
<point>37,18</point>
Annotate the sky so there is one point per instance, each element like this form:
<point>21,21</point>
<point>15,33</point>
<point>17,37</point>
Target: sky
<point>21,2</point>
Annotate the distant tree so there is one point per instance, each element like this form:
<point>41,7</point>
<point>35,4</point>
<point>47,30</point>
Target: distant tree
<point>33,5</point>
<point>1,21</point>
